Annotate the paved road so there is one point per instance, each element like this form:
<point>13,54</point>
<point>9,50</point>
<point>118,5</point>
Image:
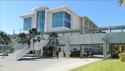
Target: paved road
<point>51,64</point>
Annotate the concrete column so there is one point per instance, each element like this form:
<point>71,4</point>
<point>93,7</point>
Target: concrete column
<point>108,50</point>
<point>81,51</point>
<point>41,52</point>
<point>110,29</point>
<point>36,53</point>
<point>111,49</point>
<point>122,29</point>
<point>67,52</point>
<point>54,52</point>
<point>105,50</point>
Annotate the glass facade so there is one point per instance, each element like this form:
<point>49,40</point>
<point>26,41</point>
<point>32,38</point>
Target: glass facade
<point>27,24</point>
<point>60,19</point>
<point>40,21</point>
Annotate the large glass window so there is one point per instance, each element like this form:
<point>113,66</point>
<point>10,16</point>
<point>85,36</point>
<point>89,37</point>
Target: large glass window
<point>67,19</point>
<point>57,19</point>
<point>27,24</point>
<point>60,19</point>
<point>40,21</point>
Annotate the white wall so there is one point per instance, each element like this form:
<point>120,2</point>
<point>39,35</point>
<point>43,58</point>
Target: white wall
<point>75,22</point>
<point>34,21</point>
<point>47,25</point>
<point>48,22</point>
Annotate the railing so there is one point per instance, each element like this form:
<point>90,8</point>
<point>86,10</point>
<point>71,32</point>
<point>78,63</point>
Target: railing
<point>39,45</point>
<point>22,52</point>
<point>93,38</point>
<point>27,48</point>
<point>16,45</point>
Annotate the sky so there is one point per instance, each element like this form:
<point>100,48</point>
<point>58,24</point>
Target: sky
<point>102,13</point>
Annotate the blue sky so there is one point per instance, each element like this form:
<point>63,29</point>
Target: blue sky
<point>102,13</point>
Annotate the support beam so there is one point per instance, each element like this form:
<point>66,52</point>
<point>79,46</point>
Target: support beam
<point>81,51</point>
<point>41,52</point>
<point>105,50</point>
<point>67,51</point>
<point>37,53</point>
<point>122,29</point>
<point>110,29</point>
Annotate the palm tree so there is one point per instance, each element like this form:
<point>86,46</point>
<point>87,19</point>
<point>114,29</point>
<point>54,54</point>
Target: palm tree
<point>1,39</point>
<point>5,40</point>
<point>22,37</point>
<point>32,33</point>
<point>121,2</point>
<point>53,41</point>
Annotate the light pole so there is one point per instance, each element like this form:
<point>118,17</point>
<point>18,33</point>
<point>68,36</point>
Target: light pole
<point>13,32</point>
<point>20,30</point>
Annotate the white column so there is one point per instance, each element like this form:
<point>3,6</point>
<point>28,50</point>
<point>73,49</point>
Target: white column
<point>105,50</point>
<point>83,48</point>
<point>41,52</point>
<point>81,51</point>
<point>67,52</point>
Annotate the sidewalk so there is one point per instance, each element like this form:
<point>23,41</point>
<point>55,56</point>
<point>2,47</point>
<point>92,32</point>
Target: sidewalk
<point>45,64</point>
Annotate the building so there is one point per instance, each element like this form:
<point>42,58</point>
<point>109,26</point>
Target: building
<point>57,19</point>
<point>69,25</point>
<point>77,35</point>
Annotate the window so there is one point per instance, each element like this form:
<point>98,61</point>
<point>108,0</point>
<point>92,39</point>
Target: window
<point>57,19</point>
<point>40,21</point>
<point>27,24</point>
<point>60,19</point>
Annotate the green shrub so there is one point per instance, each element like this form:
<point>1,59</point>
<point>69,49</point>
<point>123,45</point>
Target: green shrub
<point>122,56</point>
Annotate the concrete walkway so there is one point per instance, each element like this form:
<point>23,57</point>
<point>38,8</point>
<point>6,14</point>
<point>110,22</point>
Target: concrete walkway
<point>45,64</point>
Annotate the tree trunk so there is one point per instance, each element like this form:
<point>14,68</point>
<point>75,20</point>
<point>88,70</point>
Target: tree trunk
<point>3,50</point>
<point>33,48</point>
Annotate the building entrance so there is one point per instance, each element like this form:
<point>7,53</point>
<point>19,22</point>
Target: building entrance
<point>48,51</point>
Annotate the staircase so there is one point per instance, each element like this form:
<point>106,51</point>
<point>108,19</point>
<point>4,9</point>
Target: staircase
<point>39,45</point>
<point>20,51</point>
<point>18,54</point>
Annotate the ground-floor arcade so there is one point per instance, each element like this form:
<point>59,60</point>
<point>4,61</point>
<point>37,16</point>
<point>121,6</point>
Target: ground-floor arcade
<point>84,51</point>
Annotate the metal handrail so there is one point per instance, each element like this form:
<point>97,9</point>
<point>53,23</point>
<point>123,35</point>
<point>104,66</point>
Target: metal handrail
<point>20,53</point>
<point>27,48</point>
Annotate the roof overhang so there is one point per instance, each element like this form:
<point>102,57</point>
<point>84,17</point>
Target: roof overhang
<point>27,15</point>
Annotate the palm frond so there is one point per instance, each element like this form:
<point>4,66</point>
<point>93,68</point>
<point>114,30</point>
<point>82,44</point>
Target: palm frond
<point>121,2</point>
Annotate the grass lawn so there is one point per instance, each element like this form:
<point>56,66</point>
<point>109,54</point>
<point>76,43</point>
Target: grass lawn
<point>104,65</point>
